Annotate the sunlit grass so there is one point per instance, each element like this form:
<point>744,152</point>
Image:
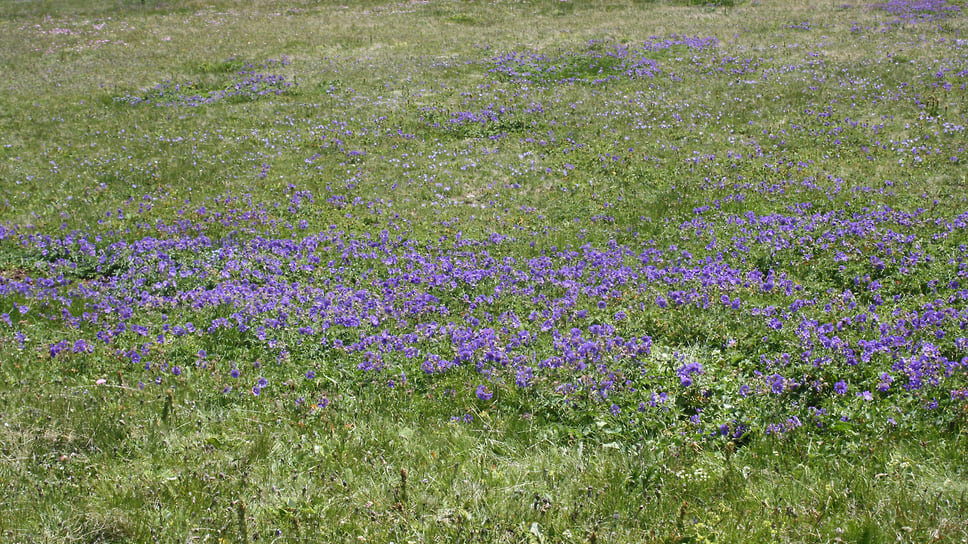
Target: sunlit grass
<point>575,271</point>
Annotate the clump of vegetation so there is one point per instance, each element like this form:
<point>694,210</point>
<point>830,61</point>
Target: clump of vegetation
<point>231,80</point>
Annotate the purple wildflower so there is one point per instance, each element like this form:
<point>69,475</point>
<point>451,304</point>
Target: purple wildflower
<point>484,393</point>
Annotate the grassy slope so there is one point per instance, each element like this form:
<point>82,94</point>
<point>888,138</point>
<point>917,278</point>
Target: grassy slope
<point>118,463</point>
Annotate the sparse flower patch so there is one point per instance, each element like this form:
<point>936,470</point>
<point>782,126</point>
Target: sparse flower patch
<point>248,82</point>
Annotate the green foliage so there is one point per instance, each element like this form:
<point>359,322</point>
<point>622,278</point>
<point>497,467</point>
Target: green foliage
<point>396,124</point>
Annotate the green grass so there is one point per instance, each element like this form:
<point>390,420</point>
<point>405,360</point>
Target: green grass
<point>392,116</point>
<point>126,471</point>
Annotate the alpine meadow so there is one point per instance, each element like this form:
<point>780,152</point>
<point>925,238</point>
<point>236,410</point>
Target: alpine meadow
<point>505,271</point>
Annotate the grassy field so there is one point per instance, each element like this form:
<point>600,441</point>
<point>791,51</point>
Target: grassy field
<point>459,271</point>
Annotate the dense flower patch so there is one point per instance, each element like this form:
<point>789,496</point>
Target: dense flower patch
<point>917,11</point>
<point>577,324</point>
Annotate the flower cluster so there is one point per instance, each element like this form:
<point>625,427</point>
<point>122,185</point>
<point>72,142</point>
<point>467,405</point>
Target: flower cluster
<point>600,62</point>
<point>915,11</point>
<point>247,83</point>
